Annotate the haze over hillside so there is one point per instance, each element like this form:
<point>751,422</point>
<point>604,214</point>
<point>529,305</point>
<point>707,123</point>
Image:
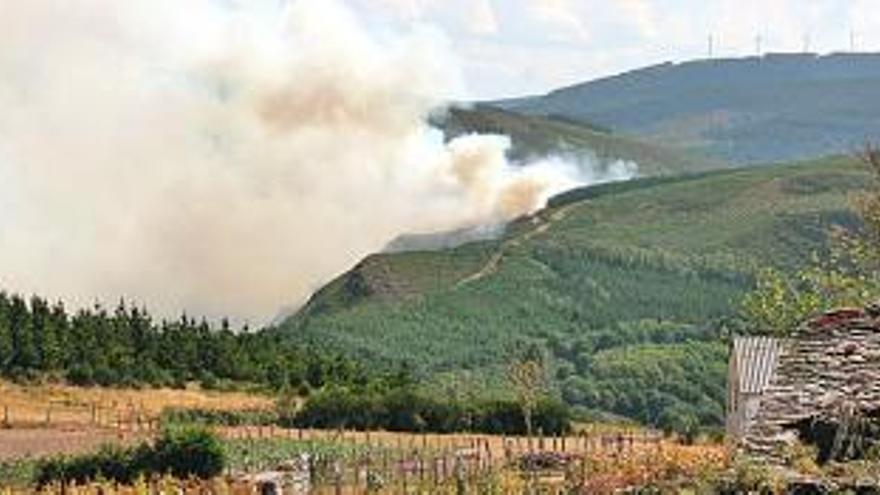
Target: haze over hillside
<point>534,136</point>
<point>778,107</point>
<point>602,156</point>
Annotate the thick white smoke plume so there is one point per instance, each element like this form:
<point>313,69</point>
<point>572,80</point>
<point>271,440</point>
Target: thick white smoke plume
<point>228,158</point>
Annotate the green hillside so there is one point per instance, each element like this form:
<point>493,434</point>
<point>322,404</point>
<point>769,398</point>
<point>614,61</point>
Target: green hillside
<point>622,285</point>
<point>537,137</point>
<point>778,107</point>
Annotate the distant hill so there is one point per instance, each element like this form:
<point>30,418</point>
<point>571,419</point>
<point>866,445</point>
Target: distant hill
<point>778,107</point>
<point>622,285</point>
<point>539,136</point>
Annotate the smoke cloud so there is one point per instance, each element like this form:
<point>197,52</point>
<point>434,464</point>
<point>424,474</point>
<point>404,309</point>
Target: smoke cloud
<point>228,158</point>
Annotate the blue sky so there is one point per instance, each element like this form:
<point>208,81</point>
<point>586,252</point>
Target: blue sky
<point>516,47</point>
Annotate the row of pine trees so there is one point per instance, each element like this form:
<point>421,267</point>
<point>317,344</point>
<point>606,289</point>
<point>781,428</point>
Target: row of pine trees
<point>126,346</point>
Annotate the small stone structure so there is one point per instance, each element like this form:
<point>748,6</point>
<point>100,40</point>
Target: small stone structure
<point>828,369</point>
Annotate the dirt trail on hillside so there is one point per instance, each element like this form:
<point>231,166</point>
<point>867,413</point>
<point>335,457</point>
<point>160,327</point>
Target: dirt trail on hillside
<point>494,261</point>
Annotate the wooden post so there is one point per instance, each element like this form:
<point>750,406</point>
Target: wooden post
<point>489,462</point>
<point>584,468</point>
<point>404,471</point>
<point>339,469</point>
<point>49,415</point>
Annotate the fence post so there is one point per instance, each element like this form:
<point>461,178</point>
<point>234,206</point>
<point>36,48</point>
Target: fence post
<point>584,468</point>
<point>338,469</point>
<point>6,423</point>
<point>402,467</point>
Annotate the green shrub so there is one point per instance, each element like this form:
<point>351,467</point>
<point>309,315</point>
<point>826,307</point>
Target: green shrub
<point>405,409</point>
<point>184,453</point>
<point>189,452</point>
<point>212,417</point>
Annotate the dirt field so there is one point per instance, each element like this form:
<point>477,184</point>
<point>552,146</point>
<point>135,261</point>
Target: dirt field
<point>51,419</point>
<point>40,442</point>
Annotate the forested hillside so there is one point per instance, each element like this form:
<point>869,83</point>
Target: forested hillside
<point>624,286</point>
<point>778,107</point>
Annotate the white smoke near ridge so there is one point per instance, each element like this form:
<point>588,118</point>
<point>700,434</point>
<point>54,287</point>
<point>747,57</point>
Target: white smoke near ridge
<point>229,158</point>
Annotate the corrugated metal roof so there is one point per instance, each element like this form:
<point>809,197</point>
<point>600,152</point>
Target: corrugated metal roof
<point>756,359</point>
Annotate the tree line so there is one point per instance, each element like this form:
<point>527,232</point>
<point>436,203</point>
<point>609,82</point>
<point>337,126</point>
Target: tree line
<point>127,346</point>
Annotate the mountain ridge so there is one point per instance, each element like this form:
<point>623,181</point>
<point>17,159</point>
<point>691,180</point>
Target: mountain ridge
<point>751,110</point>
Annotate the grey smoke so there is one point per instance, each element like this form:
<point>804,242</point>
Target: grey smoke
<point>229,157</point>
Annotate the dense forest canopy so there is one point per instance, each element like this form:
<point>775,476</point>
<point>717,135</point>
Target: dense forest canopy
<point>128,347</point>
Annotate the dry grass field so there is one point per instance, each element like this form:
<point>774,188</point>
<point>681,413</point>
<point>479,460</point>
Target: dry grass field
<point>407,463</point>
<point>596,459</point>
<point>73,406</point>
<point>40,442</point>
<point>46,419</point>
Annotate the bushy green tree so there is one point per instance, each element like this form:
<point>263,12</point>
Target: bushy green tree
<point>848,275</point>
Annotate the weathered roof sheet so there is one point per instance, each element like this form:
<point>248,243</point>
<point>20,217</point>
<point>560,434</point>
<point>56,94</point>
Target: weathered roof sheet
<point>756,359</point>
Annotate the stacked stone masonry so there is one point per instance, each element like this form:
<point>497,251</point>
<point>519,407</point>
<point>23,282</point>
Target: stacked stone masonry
<point>830,368</point>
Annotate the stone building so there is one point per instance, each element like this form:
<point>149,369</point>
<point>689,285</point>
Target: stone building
<point>827,371</point>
